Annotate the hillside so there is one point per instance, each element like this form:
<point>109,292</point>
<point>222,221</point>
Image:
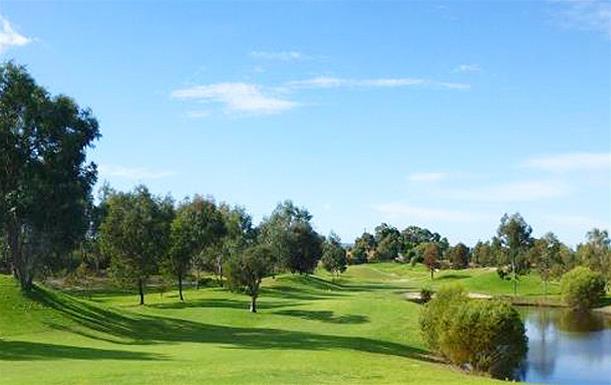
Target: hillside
<point>308,331</point>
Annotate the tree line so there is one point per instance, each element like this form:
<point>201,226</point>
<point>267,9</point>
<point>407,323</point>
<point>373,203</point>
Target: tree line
<point>514,251</point>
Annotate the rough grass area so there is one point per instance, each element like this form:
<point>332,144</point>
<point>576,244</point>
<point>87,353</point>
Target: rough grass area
<point>357,330</point>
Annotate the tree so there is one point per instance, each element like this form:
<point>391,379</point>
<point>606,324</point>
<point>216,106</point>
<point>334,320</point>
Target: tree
<point>240,233</point>
<point>363,248</point>
<point>514,236</point>
<point>547,258</point>
<point>431,257</point>
<point>596,252</point>
<point>198,225</point>
<point>486,253</point>
<point>334,255</point>
<point>295,245</point>
<point>459,256</point>
<point>45,181</point>
<point>582,288</point>
<point>246,271</point>
<point>388,243</point>
<point>135,233</point>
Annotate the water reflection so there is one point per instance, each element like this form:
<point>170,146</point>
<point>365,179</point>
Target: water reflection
<point>567,348</point>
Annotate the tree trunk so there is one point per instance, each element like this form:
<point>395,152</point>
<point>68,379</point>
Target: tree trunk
<point>180,287</point>
<point>21,266</point>
<point>141,290</point>
<point>253,304</point>
<point>432,272</point>
<point>197,278</point>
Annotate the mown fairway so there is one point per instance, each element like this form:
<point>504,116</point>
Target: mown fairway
<point>308,331</point>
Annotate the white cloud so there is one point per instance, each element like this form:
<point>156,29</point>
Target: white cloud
<point>334,82</point>
<point>570,162</point>
<point>589,15</point>
<point>467,68</point>
<point>136,173</point>
<point>427,176</point>
<point>236,97</point>
<point>279,55</point>
<point>196,114</point>
<point>9,37</point>
<point>400,210</point>
<point>521,191</point>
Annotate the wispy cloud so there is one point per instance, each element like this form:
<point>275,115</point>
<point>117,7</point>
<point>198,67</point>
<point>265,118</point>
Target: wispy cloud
<point>335,82</point>
<point>427,176</point>
<point>196,114</point>
<point>467,68</point>
<point>9,37</point>
<point>400,210</point>
<point>577,221</point>
<point>236,97</point>
<point>520,191</point>
<point>570,162</point>
<point>589,15</point>
<point>136,173</point>
<point>286,56</point>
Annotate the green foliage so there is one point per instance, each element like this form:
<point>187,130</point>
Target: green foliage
<point>514,238</point>
<point>45,182</point>
<point>582,288</point>
<point>438,312</point>
<point>488,336</point>
<point>388,243</point>
<point>334,255</point>
<point>135,233</point>
<point>295,245</point>
<point>426,293</point>
<point>246,271</point>
<point>198,225</point>
<point>486,253</point>
<point>459,256</point>
<point>596,252</point>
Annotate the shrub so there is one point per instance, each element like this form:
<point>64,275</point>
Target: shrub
<point>488,336</point>
<point>437,313</point>
<point>582,288</point>
<point>426,293</point>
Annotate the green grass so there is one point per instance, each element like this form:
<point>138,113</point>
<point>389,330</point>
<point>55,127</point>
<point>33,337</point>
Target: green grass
<point>358,330</point>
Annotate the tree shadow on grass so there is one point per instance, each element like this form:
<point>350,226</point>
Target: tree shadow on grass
<point>29,351</point>
<point>451,276</point>
<point>325,316</point>
<point>136,329</point>
<point>220,303</point>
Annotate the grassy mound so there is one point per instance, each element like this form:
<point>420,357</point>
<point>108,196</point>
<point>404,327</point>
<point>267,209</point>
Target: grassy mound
<point>310,330</point>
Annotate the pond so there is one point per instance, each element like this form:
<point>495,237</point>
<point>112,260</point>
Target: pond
<point>567,348</point>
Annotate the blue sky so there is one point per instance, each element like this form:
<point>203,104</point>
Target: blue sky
<point>440,114</point>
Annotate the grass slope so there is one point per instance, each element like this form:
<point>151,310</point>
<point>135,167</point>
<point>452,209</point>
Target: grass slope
<point>308,331</point>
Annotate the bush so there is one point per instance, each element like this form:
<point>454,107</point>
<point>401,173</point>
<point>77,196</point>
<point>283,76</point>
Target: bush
<point>582,288</point>
<point>426,293</point>
<point>487,336</point>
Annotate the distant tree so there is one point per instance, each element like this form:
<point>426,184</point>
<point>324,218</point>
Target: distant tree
<point>459,256</point>
<point>596,252</point>
<point>246,271</point>
<point>514,235</point>
<point>294,243</point>
<point>198,225</point>
<point>388,243</point>
<point>334,255</point>
<point>363,249</point>
<point>239,235</point>
<point>45,181</point>
<point>135,233</point>
<point>431,257</point>
<point>547,258</point>
<point>486,253</point>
